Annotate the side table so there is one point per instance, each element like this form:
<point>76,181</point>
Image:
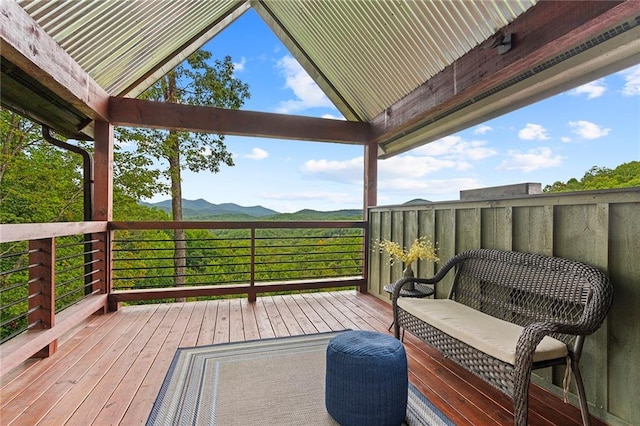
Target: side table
<point>419,291</point>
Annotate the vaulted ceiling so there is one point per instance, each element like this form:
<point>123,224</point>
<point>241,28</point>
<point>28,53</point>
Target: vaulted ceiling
<point>413,70</point>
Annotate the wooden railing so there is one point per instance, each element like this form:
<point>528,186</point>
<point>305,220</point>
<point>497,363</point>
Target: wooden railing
<point>225,258</point>
<point>53,276</point>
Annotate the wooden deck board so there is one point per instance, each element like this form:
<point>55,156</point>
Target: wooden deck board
<point>109,369</point>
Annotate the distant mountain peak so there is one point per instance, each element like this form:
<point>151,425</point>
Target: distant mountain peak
<point>202,207</point>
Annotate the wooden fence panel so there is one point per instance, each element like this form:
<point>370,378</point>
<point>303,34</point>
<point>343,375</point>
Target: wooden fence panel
<point>446,238</point>
<point>581,234</point>
<point>601,228</point>
<point>426,228</point>
<point>624,318</point>
<point>497,228</point>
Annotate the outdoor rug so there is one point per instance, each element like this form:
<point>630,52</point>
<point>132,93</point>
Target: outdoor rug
<point>262,382</point>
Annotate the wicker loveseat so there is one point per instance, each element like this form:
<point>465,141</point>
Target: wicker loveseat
<point>508,313</point>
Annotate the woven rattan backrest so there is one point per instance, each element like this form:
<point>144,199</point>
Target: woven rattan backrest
<point>524,288</point>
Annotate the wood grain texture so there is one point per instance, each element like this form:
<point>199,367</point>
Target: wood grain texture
<point>109,370</point>
<point>169,116</point>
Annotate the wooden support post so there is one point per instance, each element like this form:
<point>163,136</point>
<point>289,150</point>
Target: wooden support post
<point>103,204</point>
<point>370,200</point>
<point>42,295</point>
<point>370,177</point>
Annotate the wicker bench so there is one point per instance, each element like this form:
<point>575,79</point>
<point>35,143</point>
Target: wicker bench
<point>508,313</point>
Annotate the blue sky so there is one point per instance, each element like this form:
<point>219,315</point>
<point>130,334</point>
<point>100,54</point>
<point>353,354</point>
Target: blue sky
<point>597,124</point>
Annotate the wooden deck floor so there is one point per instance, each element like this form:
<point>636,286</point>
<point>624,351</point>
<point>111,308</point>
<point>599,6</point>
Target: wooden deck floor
<point>109,369</point>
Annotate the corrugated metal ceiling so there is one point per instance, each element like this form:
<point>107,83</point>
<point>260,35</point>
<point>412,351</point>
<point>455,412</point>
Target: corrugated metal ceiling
<point>375,52</point>
<point>119,42</point>
<point>366,55</point>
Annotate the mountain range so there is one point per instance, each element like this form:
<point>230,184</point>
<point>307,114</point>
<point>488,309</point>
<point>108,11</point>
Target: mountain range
<point>203,210</point>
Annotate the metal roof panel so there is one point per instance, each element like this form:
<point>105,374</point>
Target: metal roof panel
<point>376,52</point>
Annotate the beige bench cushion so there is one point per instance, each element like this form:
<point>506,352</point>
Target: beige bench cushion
<point>490,335</point>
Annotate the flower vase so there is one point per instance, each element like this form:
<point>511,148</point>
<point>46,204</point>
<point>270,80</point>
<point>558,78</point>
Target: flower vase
<point>406,273</point>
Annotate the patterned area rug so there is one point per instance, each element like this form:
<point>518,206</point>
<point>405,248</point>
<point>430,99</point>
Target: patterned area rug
<point>262,382</point>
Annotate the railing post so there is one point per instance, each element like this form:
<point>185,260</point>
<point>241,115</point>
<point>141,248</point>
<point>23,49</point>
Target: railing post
<point>364,288</point>
<point>102,269</point>
<point>42,295</point>
<point>252,294</point>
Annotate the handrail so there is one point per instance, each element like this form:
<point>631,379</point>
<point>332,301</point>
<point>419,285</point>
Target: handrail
<point>10,233</point>
<point>233,225</point>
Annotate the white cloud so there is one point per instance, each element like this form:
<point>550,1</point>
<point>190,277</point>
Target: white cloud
<point>289,201</point>
<point>429,186</point>
<point>566,139</point>
<point>481,130</point>
<point>632,81</point>
<point>532,132</point>
<point>333,117</point>
<point>412,171</point>
<point>593,89</point>
<point>239,66</point>
<point>456,148</point>
<point>338,171</point>
<point>257,154</point>
<point>411,166</point>
<point>588,130</point>
<point>539,158</point>
<point>307,93</point>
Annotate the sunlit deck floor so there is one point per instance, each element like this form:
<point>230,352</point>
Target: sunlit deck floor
<point>109,369</point>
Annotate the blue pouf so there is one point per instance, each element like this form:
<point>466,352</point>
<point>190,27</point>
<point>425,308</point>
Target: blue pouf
<point>366,380</point>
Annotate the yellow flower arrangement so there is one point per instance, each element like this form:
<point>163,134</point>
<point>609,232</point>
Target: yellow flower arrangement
<point>422,248</point>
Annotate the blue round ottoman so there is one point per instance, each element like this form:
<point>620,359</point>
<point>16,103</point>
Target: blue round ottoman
<point>366,379</point>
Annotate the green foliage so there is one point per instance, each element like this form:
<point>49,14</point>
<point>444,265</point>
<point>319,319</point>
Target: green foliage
<point>41,183</point>
<point>194,82</point>
<point>624,176</point>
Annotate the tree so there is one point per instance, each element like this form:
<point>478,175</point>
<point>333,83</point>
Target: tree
<point>194,82</point>
<point>623,176</point>
<point>38,182</point>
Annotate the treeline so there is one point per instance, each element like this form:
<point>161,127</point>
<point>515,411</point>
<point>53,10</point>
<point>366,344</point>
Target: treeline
<point>624,176</point>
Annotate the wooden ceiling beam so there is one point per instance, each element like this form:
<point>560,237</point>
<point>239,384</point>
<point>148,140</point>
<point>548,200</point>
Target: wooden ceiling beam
<point>543,32</point>
<point>25,44</point>
<point>168,116</point>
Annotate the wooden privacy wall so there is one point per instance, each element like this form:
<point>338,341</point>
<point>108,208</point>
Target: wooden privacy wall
<point>601,228</point>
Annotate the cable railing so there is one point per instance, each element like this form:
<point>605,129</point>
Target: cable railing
<point>45,270</point>
<point>14,290</point>
<point>239,257</point>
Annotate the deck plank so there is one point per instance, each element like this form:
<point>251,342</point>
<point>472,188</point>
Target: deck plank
<point>265,328</point>
<point>205,337</point>
<point>305,324</point>
<point>190,336</point>
<point>223,323</point>
<point>290,321</point>
<point>251,330</point>
<point>277,323</point>
<point>121,398</point>
<point>40,372</point>
<point>60,372</point>
<point>90,408</point>
<point>311,315</point>
<point>109,370</point>
<point>170,336</point>
<point>236,324</point>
